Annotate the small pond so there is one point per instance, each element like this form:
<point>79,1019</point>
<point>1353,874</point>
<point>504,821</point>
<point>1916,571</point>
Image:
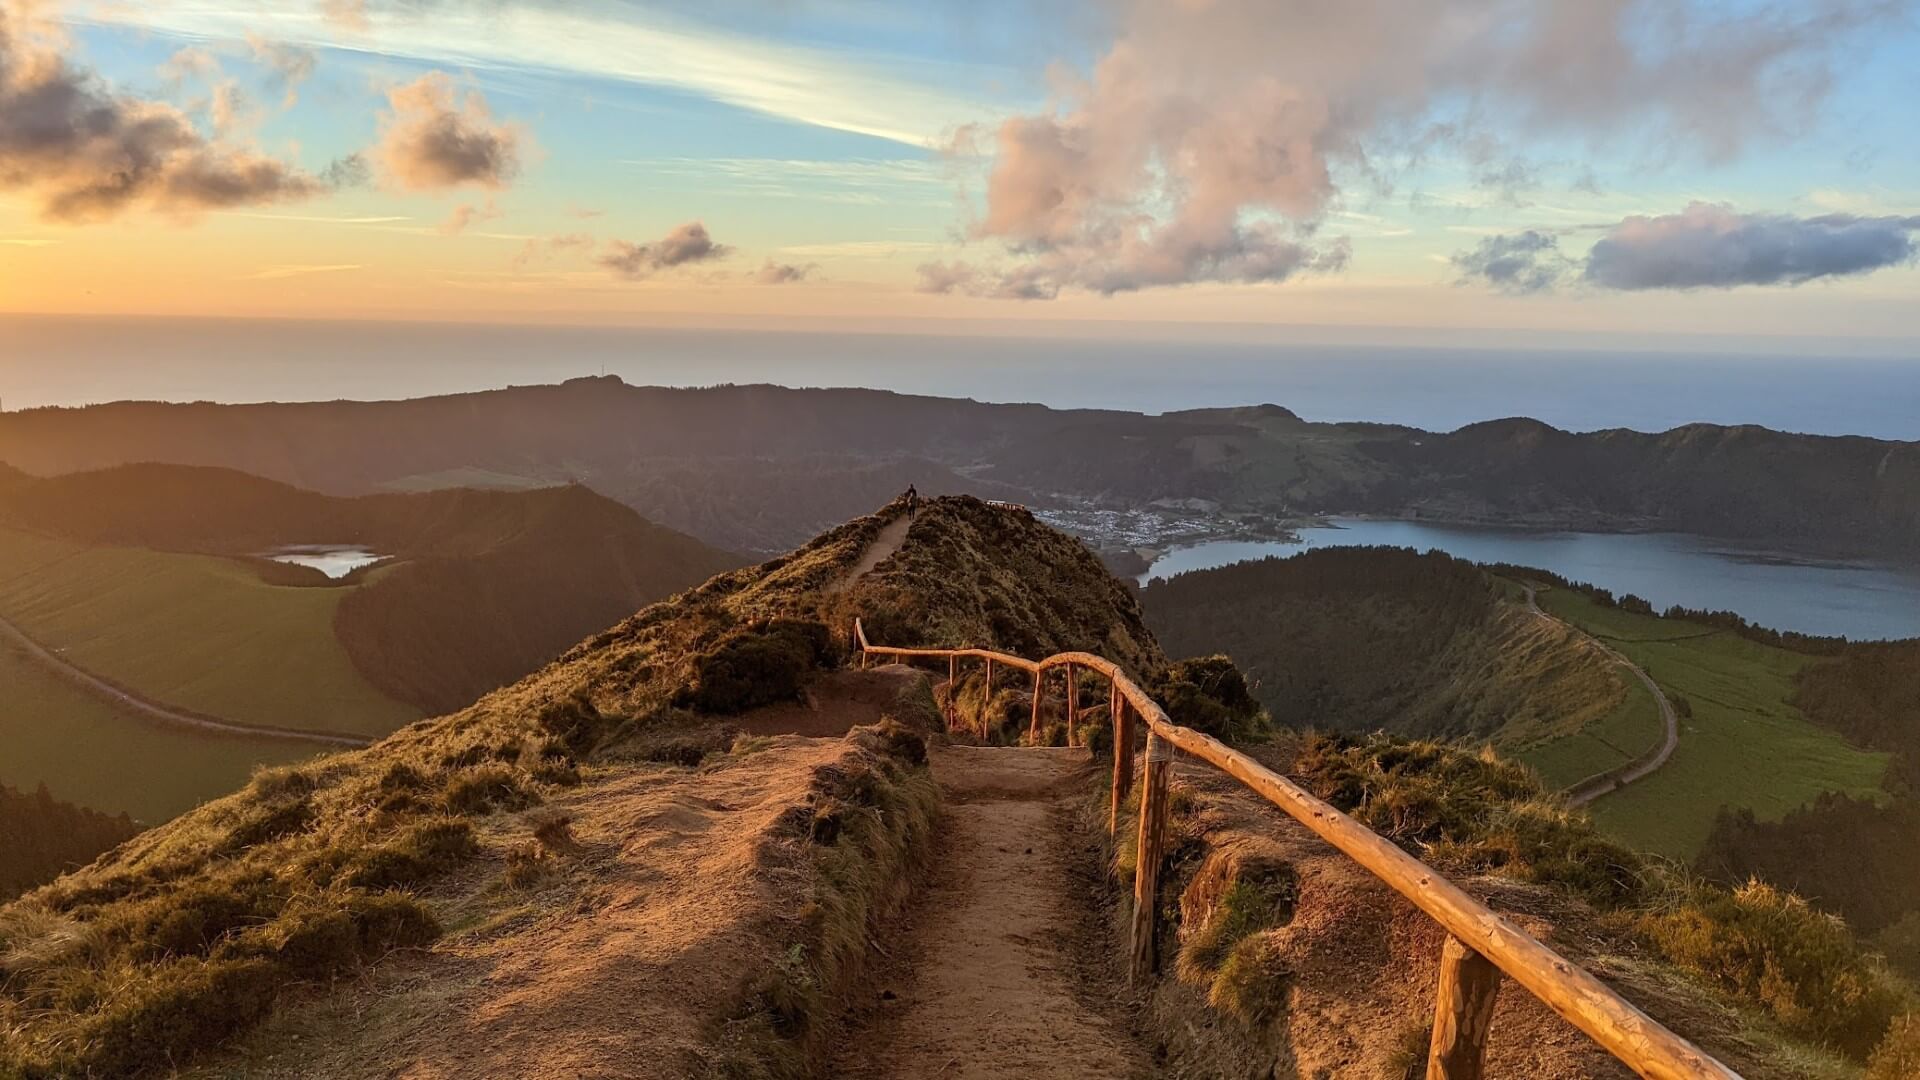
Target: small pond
<point>333,560</point>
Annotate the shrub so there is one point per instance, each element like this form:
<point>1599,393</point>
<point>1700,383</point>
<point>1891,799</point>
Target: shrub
<point>527,863</point>
<point>326,937</point>
<point>1799,964</point>
<point>1210,695</point>
<point>269,821</point>
<point>574,723</point>
<point>1469,811</point>
<point>191,919</point>
<point>484,788</point>
<point>173,1013</point>
<point>1235,894</point>
<point>1252,984</point>
<point>419,854</point>
<point>757,666</point>
<point>1898,1056</point>
<point>553,829</point>
<point>1901,944</point>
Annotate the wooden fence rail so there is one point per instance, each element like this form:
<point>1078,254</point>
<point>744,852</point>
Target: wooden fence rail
<point>1481,944</point>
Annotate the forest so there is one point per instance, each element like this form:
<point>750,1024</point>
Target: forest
<point>42,837</point>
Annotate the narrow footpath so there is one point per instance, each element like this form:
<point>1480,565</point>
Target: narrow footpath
<point>988,976</point>
<point>1616,778</point>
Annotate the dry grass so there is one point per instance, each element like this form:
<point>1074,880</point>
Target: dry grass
<point>180,938</point>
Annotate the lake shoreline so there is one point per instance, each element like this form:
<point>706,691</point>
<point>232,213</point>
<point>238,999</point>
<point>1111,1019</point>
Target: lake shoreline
<point>1795,591</point>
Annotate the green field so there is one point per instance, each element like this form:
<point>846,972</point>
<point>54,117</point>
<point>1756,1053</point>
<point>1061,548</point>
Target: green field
<point>1744,745</point>
<point>1615,739</point>
<point>196,632</point>
<point>88,752</point>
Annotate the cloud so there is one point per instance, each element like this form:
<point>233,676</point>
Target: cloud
<point>290,66</point>
<point>542,248</point>
<point>1705,246</point>
<point>1211,138</point>
<point>1526,262</point>
<point>1713,247</point>
<point>685,245</point>
<point>84,152</point>
<point>350,15</point>
<point>434,138</point>
<point>290,270</point>
<point>466,214</point>
<point>773,273</point>
<point>901,99</point>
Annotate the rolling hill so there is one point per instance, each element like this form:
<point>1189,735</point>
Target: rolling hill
<point>508,887</point>
<point>760,468</point>
<point>149,579</point>
<point>1357,640</point>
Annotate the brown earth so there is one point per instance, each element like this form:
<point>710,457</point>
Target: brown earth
<point>987,979</point>
<point>613,967</point>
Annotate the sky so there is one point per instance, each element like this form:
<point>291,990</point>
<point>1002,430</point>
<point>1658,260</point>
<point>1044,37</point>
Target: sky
<point>1693,169</point>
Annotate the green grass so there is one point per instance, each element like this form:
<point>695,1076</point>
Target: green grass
<point>1615,739</point>
<point>197,632</point>
<point>90,753</point>
<point>1743,746</point>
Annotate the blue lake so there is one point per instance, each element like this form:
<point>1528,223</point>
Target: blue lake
<point>1858,600</point>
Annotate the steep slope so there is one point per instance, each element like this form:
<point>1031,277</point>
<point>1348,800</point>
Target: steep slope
<point>759,468</point>
<point>482,585</point>
<point>188,934</point>
<point>1423,645</point>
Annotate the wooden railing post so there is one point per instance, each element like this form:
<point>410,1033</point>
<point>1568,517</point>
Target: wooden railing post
<point>1122,759</point>
<point>1152,846</point>
<point>1073,702</point>
<point>1033,726</point>
<point>953,690</point>
<point>986,700</point>
<point>1462,1013</point>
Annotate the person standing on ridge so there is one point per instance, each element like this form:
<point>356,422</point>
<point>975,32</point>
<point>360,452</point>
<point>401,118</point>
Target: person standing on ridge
<point>913,501</point>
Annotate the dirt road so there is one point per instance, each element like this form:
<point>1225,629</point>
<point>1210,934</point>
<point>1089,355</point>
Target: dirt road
<point>1616,778</point>
<point>12,636</point>
<point>987,983</point>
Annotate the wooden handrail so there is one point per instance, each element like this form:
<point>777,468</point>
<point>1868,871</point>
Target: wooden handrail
<point>1477,935</point>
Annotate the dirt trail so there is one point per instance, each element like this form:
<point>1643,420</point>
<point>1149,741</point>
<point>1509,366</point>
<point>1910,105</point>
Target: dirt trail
<point>1614,779</point>
<point>888,541</point>
<point>988,982</point>
<point>147,708</point>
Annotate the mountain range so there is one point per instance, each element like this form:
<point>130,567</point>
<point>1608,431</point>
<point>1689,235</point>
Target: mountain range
<point>760,468</point>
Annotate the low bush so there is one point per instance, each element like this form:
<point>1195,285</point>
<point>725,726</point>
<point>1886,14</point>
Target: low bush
<point>1801,965</point>
<point>1253,980</point>
<point>1209,694</point>
<point>173,1013</point>
<point>757,666</point>
<point>1469,811</point>
<point>1236,893</point>
<point>1898,1055</point>
<point>485,788</point>
<point>416,856</point>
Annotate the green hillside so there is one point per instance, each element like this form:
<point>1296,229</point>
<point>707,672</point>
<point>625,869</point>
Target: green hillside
<point>147,577</point>
<point>98,756</point>
<point>1364,639</point>
<point>1744,744</point>
<point>195,632</point>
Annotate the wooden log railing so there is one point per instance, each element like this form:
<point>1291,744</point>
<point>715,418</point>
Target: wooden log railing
<point>1481,945</point>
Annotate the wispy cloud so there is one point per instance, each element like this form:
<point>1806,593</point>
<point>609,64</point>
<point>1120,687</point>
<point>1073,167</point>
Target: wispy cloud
<point>291,270</point>
<point>832,89</point>
<point>26,241</point>
<point>861,181</point>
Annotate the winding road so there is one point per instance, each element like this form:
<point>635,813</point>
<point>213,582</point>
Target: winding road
<point>1585,791</point>
<point>152,710</point>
